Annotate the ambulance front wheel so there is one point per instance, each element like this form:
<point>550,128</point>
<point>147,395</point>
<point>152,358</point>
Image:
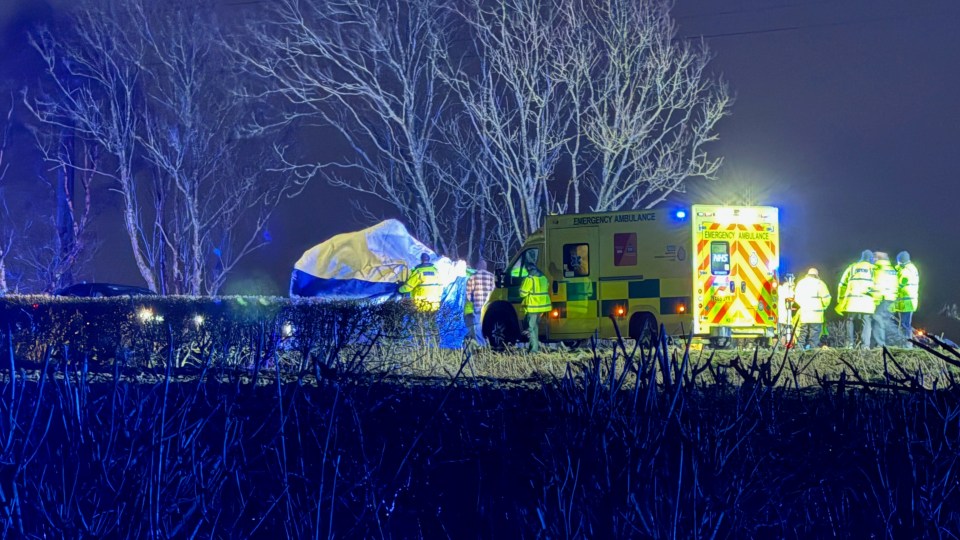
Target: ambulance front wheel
<point>643,329</point>
<point>501,327</point>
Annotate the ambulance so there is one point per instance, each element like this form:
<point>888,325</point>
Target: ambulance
<point>708,272</point>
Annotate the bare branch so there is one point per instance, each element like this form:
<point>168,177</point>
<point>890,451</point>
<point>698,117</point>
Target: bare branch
<point>367,69</point>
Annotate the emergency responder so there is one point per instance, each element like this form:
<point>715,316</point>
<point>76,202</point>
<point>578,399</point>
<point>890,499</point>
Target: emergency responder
<point>479,287</point>
<point>536,300</point>
<point>785,307</point>
<point>425,289</point>
<point>908,295</point>
<point>884,294</point>
<point>813,297</point>
<point>424,286</point>
<point>855,298</point>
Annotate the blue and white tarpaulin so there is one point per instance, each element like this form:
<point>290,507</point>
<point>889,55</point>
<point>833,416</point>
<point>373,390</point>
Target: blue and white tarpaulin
<point>370,265</point>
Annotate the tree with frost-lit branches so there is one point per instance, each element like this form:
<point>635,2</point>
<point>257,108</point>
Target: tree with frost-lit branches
<point>154,88</point>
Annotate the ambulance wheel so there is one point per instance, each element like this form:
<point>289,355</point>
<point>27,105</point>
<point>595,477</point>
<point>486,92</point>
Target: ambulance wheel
<point>643,329</point>
<point>500,327</point>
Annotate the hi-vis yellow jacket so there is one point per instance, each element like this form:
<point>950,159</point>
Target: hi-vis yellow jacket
<point>813,297</point>
<point>424,287</point>
<point>908,291</point>
<point>884,281</point>
<point>533,291</point>
<point>855,293</point>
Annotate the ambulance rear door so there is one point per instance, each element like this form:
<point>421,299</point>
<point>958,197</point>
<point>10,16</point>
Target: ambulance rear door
<point>757,260</point>
<point>736,261</point>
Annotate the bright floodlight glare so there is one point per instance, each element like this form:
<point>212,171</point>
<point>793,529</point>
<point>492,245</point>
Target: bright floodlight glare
<point>145,314</point>
<point>287,330</point>
<point>198,320</point>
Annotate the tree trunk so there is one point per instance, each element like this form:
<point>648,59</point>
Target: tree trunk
<point>64,193</point>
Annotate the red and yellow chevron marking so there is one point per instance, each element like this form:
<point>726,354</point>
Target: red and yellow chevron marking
<point>740,307</point>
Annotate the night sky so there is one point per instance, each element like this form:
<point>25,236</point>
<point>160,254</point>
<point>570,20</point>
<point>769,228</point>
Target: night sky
<point>846,116</point>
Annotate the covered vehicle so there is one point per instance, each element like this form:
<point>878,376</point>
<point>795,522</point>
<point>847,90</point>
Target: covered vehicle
<point>370,265</point>
<point>97,290</point>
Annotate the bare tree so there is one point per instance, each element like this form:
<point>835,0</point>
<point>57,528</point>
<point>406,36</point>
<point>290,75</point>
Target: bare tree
<point>215,202</point>
<point>44,251</point>
<point>514,101</point>
<point>651,106</point>
<point>65,244</point>
<point>6,233</point>
<point>155,91</point>
<point>102,107</point>
<point>366,69</point>
<point>599,85</point>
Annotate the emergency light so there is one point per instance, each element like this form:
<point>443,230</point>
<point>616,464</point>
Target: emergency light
<point>680,215</point>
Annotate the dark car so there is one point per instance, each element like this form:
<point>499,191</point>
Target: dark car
<point>96,290</point>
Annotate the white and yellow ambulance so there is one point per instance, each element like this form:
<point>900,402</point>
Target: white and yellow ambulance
<point>709,272</point>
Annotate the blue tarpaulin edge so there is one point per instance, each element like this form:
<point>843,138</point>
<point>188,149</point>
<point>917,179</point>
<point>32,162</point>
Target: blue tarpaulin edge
<point>304,284</point>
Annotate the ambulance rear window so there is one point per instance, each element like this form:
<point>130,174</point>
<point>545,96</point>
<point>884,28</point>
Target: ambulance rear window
<point>576,260</point>
<point>720,258</point>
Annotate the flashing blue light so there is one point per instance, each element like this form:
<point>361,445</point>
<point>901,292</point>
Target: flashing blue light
<point>680,214</point>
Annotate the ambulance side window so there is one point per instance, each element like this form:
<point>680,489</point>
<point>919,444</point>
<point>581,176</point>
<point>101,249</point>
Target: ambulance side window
<point>625,249</point>
<point>720,258</point>
<point>576,260</point>
<point>518,270</point>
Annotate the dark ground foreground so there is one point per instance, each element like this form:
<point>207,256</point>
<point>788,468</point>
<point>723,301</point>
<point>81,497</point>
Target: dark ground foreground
<point>115,423</point>
<point>597,454</point>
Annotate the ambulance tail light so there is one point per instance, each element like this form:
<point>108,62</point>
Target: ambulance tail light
<point>681,308</point>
